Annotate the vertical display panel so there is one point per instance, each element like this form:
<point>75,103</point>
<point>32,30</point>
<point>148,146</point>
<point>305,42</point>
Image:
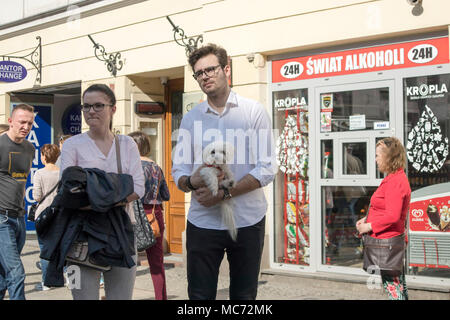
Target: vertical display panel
<point>427,134</point>
<point>290,110</point>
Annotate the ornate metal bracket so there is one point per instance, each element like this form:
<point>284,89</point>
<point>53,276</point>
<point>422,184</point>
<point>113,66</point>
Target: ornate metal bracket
<point>189,43</point>
<point>35,58</point>
<point>112,60</point>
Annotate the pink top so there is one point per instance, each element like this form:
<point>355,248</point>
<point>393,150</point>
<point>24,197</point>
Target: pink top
<point>389,206</point>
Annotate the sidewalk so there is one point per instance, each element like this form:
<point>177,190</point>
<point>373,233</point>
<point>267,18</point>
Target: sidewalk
<point>271,286</point>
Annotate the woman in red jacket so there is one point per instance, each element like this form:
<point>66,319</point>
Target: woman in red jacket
<point>389,206</point>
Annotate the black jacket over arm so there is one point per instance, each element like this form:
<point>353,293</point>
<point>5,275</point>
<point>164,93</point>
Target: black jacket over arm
<point>106,227</point>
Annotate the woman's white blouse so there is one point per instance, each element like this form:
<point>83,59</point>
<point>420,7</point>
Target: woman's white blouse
<point>81,150</point>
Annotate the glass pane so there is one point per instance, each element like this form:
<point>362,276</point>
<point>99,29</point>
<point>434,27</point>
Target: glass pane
<point>354,160</point>
<point>151,129</point>
<point>326,151</point>
<point>342,207</point>
<point>176,100</point>
<point>378,174</point>
<point>427,134</point>
<point>354,110</point>
<point>291,228</point>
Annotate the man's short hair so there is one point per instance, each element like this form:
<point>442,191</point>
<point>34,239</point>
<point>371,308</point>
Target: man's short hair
<point>23,106</point>
<point>206,50</point>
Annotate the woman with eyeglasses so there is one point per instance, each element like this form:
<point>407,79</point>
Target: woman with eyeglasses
<point>389,208</point>
<point>96,149</point>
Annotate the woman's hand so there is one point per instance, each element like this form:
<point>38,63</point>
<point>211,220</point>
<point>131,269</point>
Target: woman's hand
<point>205,198</point>
<point>363,227</point>
<point>362,220</point>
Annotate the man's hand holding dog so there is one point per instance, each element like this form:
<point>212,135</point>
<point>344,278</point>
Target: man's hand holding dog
<point>204,196</point>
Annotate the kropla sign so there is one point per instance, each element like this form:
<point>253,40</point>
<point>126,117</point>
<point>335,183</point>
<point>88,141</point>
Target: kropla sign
<point>372,59</point>
<point>11,71</point>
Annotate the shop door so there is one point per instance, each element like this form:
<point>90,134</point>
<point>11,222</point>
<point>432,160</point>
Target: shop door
<point>353,118</point>
<point>175,215</point>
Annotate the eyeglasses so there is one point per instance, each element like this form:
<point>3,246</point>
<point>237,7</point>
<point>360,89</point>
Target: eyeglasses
<point>96,106</point>
<point>210,71</point>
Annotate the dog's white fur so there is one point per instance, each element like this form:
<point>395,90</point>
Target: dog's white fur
<point>216,155</point>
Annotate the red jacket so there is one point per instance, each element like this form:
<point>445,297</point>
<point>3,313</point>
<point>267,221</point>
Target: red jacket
<point>389,206</point>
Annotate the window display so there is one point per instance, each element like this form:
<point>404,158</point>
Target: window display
<point>366,109</point>
<point>427,133</point>
<point>292,183</point>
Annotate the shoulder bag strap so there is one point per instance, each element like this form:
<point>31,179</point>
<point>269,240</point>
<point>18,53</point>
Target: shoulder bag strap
<point>119,162</point>
<point>48,193</point>
<point>157,191</point>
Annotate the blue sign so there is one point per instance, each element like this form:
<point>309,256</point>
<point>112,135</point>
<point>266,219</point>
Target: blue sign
<point>71,120</point>
<point>40,134</point>
<point>11,71</point>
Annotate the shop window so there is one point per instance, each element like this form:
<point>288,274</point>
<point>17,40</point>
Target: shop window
<point>342,207</point>
<point>354,160</point>
<point>427,134</point>
<point>290,114</point>
<point>326,151</point>
<point>353,110</point>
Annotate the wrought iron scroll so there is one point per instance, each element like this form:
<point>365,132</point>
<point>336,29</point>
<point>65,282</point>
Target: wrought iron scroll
<point>35,58</point>
<point>112,60</point>
<point>190,44</point>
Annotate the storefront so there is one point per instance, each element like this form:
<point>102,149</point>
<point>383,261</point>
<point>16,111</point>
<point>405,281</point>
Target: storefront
<point>57,113</point>
<point>330,107</point>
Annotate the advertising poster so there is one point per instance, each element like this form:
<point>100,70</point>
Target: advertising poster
<point>427,130</point>
<point>431,214</point>
<point>40,134</point>
<point>325,122</point>
<point>326,102</point>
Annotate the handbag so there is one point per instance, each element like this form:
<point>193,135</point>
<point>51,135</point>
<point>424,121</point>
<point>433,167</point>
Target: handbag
<point>146,229</point>
<point>79,254</point>
<point>79,250</point>
<point>32,213</point>
<point>151,217</point>
<point>145,238</point>
<point>386,255</point>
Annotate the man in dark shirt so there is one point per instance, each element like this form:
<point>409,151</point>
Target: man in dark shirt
<point>16,156</point>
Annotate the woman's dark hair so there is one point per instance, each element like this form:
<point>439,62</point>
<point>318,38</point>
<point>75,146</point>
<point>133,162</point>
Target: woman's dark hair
<point>103,88</point>
<point>143,142</point>
<point>395,154</point>
<point>210,48</point>
<point>50,152</point>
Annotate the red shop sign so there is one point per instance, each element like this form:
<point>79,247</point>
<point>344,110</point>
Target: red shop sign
<point>387,57</point>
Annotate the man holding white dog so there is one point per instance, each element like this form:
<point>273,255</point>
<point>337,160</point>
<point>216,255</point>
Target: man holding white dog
<point>245,124</point>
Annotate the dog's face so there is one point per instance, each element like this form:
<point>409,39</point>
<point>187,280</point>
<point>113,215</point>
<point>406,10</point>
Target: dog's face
<point>218,152</point>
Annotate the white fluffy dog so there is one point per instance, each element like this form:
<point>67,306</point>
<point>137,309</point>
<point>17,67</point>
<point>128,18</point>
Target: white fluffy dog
<point>216,156</point>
